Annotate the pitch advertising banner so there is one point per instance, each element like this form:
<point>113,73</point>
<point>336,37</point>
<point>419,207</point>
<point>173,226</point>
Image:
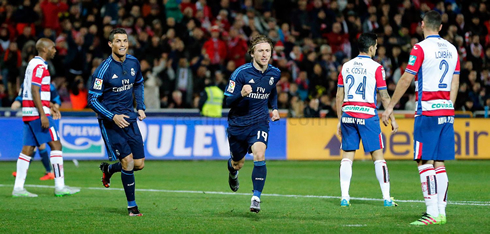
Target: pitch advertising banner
<point>316,139</point>
<point>164,139</point>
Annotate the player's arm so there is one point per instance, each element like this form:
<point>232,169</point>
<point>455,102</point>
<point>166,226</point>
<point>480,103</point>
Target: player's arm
<point>36,81</point>
<point>139,95</point>
<point>94,94</point>
<point>55,103</point>
<point>18,100</point>
<point>385,99</point>
<point>273,104</point>
<point>455,84</point>
<point>339,100</point>
<point>235,91</point>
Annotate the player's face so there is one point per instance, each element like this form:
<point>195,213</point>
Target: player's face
<point>51,51</point>
<point>374,48</point>
<point>262,53</point>
<point>119,45</point>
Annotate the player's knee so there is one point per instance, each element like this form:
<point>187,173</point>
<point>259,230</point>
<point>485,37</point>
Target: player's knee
<point>127,163</point>
<point>259,156</point>
<point>139,166</point>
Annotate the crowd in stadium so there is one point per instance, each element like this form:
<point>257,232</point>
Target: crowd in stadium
<point>182,43</point>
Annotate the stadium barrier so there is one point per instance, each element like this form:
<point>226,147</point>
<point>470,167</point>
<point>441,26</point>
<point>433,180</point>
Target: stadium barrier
<point>194,138</point>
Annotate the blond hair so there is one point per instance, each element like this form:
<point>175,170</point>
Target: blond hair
<point>257,40</point>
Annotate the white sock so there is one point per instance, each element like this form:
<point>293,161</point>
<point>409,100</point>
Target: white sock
<point>383,177</point>
<point>345,177</point>
<point>442,184</point>
<point>57,164</point>
<point>428,181</point>
<point>23,163</point>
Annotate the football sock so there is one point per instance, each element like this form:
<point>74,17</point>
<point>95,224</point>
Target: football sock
<point>232,170</point>
<point>259,173</point>
<point>429,188</point>
<point>116,167</point>
<point>442,185</point>
<point>22,166</point>
<point>127,178</point>
<point>57,163</point>
<point>383,177</point>
<point>45,159</point>
<point>345,177</point>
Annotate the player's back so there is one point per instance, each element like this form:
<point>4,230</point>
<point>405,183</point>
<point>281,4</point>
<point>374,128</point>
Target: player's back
<point>37,73</point>
<point>434,61</point>
<point>361,77</point>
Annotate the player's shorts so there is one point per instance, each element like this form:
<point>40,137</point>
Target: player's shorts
<point>121,142</point>
<point>35,135</point>
<point>433,138</point>
<point>241,139</point>
<point>355,129</point>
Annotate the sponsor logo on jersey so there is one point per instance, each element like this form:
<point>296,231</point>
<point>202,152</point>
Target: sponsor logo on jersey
<point>271,81</point>
<point>98,83</point>
<point>39,72</point>
<point>133,73</point>
<point>357,109</point>
<point>81,137</point>
<point>383,74</point>
<point>442,106</point>
<point>231,87</point>
<point>412,59</point>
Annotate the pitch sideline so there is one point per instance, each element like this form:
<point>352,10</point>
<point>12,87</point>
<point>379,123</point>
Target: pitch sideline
<point>465,203</point>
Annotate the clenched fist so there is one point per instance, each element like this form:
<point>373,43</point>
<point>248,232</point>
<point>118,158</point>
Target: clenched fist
<point>246,90</point>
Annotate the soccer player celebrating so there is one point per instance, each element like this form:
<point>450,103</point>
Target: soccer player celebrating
<point>39,127</point>
<point>251,89</point>
<point>358,117</point>
<point>111,97</point>
<point>434,63</point>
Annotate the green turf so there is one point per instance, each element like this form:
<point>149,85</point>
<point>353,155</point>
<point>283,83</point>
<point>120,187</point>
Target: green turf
<point>99,210</point>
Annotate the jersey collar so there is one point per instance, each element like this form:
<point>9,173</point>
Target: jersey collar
<point>363,56</point>
<point>433,36</point>
<point>259,71</point>
<point>39,57</point>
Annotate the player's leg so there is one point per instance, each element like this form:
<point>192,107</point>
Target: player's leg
<point>23,163</point>
<point>127,178</point>
<point>383,176</point>
<point>350,143</point>
<point>238,150</point>
<point>30,142</point>
<point>137,147</point>
<point>446,151</point>
<point>43,152</point>
<point>259,174</point>
<point>346,176</point>
<point>426,138</point>
<point>110,133</point>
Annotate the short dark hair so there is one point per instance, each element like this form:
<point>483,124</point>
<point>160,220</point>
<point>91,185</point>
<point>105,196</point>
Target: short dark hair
<point>365,41</point>
<point>432,20</point>
<point>116,31</point>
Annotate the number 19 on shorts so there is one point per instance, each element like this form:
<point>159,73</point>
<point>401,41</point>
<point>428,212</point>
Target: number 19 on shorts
<point>262,134</point>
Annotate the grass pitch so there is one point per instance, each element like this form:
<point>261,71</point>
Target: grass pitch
<point>193,196</point>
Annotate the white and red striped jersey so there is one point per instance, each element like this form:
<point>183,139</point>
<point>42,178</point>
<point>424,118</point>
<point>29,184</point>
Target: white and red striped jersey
<point>361,77</point>
<point>433,61</point>
<point>36,74</point>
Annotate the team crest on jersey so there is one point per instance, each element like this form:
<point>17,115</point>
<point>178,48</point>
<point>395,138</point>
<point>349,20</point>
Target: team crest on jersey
<point>98,83</point>
<point>412,59</point>
<point>271,81</point>
<point>231,87</point>
<point>133,73</point>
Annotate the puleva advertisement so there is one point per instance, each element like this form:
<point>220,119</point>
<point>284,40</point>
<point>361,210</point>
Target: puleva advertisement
<point>164,139</point>
<point>316,139</point>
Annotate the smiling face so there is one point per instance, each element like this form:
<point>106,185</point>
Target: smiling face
<point>262,54</point>
<point>119,44</point>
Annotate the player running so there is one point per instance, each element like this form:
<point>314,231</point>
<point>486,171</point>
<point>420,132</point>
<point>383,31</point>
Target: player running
<point>251,89</point>
<point>358,117</point>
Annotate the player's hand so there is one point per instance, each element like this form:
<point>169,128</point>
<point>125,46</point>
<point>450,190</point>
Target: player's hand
<point>394,127</point>
<point>55,112</point>
<point>386,116</point>
<point>246,90</point>
<point>44,122</point>
<point>339,130</point>
<point>15,105</point>
<point>275,115</point>
<point>120,120</point>
<point>142,115</point>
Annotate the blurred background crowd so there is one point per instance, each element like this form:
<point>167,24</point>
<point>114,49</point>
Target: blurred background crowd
<point>184,45</point>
